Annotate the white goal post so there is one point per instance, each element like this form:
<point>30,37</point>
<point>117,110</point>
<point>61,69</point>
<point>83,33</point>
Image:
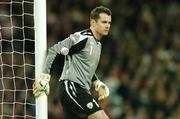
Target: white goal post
<point>40,53</point>
<point>22,53</point>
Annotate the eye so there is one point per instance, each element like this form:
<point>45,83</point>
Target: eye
<point>104,22</point>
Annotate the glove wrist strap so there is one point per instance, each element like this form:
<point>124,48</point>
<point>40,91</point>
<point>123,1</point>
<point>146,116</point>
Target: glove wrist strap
<point>45,77</point>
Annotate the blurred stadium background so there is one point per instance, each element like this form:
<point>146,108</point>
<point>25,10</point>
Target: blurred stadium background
<point>140,59</point>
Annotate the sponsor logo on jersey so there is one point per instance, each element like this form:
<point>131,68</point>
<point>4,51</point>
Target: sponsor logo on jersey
<point>90,105</point>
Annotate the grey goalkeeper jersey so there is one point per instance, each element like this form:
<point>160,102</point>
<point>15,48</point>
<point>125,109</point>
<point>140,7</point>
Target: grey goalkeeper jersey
<point>82,60</point>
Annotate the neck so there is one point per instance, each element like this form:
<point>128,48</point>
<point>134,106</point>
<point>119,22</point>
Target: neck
<point>96,34</point>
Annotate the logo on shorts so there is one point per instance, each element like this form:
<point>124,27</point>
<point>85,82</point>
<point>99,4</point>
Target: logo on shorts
<point>90,105</point>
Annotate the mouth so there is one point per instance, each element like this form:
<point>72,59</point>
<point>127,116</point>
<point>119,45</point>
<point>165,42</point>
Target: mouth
<point>106,30</point>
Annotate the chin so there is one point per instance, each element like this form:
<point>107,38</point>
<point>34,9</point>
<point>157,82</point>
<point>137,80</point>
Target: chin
<point>106,33</point>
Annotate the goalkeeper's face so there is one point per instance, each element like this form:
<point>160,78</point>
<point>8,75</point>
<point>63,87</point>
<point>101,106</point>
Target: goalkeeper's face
<point>102,25</point>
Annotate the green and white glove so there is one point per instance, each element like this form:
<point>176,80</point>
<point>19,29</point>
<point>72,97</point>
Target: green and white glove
<point>41,85</point>
<point>101,88</point>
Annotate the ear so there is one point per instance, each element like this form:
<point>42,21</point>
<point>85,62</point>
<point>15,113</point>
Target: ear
<point>92,22</point>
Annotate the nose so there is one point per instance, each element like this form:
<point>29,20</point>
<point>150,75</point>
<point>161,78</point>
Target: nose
<point>107,26</point>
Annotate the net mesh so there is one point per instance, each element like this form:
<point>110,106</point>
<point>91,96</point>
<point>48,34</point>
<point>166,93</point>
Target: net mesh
<point>16,59</point>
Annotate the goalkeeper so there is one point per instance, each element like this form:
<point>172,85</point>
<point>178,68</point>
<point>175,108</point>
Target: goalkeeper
<point>82,53</point>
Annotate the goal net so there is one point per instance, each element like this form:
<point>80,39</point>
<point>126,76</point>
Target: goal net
<point>17,59</point>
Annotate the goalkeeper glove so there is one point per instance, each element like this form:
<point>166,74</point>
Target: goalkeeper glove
<point>41,85</point>
<point>101,88</point>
